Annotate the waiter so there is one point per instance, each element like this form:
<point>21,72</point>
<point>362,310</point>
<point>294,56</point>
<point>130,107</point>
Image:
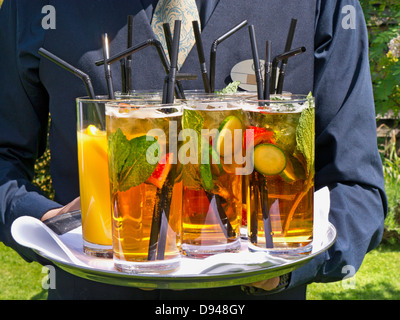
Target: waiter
<point>335,68</point>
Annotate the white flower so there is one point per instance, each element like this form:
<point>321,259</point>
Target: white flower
<point>394,46</point>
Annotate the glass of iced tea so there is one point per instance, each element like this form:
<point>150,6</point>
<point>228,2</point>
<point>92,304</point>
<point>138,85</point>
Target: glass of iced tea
<point>93,177</point>
<point>145,185</point>
<point>279,192</point>
<point>212,158</point>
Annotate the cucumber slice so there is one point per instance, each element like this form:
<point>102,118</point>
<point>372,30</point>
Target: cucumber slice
<point>226,128</point>
<point>269,159</point>
<point>294,171</point>
<point>288,174</point>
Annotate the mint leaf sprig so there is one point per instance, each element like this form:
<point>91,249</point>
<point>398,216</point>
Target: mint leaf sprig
<point>129,160</point>
<point>305,139</point>
<point>232,87</point>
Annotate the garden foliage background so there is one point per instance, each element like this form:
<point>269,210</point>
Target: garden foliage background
<point>383,21</point>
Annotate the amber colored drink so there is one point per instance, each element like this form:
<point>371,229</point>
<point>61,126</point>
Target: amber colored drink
<point>279,192</point>
<point>135,209</point>
<point>212,202</point>
<point>146,193</point>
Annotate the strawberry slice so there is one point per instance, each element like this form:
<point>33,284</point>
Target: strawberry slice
<point>160,173</point>
<point>244,217</point>
<point>261,135</point>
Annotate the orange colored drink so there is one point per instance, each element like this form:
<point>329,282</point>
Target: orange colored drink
<point>94,178</point>
<point>94,186</point>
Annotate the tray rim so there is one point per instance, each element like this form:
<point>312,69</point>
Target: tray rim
<point>190,281</point>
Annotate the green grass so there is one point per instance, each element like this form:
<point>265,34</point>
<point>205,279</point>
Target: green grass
<point>377,279</point>
<point>19,280</point>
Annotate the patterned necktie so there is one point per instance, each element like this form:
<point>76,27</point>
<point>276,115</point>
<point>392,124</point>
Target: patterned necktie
<point>169,11</point>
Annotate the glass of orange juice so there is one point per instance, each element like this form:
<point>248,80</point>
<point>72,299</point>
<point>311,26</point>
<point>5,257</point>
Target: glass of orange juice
<point>94,177</point>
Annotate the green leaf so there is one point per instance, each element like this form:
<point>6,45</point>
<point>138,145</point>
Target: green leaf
<point>305,137</point>
<point>205,168</point>
<point>230,88</point>
<point>119,149</point>
<point>133,161</point>
<point>191,178</point>
<point>192,120</point>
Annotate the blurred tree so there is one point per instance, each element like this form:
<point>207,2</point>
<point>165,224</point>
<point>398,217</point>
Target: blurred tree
<point>42,177</point>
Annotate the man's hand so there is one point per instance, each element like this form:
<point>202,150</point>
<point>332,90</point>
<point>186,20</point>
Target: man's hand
<point>72,206</point>
<point>267,285</point>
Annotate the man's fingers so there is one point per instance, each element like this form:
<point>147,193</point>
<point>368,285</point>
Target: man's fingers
<point>268,284</point>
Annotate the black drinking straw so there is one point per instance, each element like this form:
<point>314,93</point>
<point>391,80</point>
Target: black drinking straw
<point>159,225</point>
<point>164,210</point>
<point>123,76</point>
<point>66,66</point>
<point>127,52</point>
<point>288,46</point>
<point>253,207</point>
<point>168,40</point>
<point>178,78</point>
<point>256,62</point>
<point>278,58</point>
<point>160,220</point>
<point>150,42</point>
<point>213,51</point>
<point>267,69</point>
<point>165,90</point>
<point>185,76</point>
<point>202,59</point>
<point>162,237</point>
<point>128,65</point>
<point>80,74</point>
<point>174,62</point>
<point>155,229</point>
<point>226,227</point>
<point>107,67</point>
<point>263,193</point>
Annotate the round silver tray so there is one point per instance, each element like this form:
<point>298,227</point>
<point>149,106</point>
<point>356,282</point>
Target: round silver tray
<point>101,270</point>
